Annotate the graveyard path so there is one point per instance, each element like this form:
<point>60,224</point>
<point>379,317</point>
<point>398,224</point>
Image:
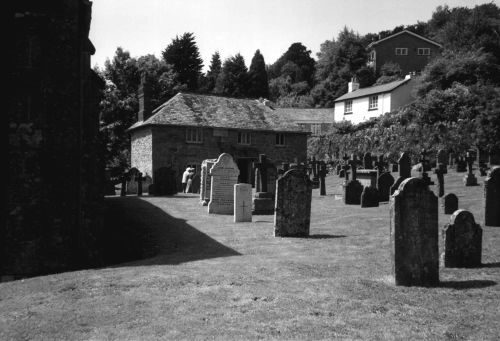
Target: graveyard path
<point>176,272</point>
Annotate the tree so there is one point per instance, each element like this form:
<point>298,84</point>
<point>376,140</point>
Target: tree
<point>213,72</point>
<point>184,56</point>
<point>299,55</point>
<point>232,80</point>
<point>258,85</point>
<point>389,72</point>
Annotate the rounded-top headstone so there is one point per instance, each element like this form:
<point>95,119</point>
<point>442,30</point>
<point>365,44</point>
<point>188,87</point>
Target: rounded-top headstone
<point>450,203</point>
<point>462,241</point>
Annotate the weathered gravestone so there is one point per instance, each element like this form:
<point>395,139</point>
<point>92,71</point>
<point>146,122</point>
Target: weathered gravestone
<point>404,164</point>
<point>369,197</point>
<point>266,173</point>
<point>414,234</point>
<point>442,158</point>
<point>206,181</point>
<point>242,203</point>
<point>224,173</point>
<point>494,156</point>
<point>492,198</point>
<point>195,185</point>
<point>461,164</point>
<point>439,171</point>
<point>450,203</point>
<point>352,188</point>
<point>384,183</point>
<point>470,179</point>
<point>322,172</point>
<point>314,167</point>
<point>367,161</point>
<point>132,185</point>
<point>462,241</point>
<point>164,182</point>
<point>293,204</point>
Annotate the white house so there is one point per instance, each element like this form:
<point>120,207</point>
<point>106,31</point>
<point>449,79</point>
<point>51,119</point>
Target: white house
<point>359,105</point>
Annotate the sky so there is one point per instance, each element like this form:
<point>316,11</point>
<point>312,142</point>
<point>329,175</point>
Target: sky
<point>243,26</point>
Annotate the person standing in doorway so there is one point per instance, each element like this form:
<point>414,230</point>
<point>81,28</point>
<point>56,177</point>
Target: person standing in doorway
<point>185,179</point>
<point>190,180</point>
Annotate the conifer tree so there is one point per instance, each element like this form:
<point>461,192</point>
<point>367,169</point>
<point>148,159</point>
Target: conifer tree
<point>232,80</point>
<point>213,72</point>
<point>258,85</point>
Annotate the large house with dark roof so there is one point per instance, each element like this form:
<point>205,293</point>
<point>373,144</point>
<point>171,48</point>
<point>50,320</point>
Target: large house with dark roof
<point>411,51</point>
<point>359,105</point>
<point>190,128</point>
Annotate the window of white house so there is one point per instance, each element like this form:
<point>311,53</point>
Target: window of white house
<point>424,51</point>
<point>194,135</point>
<point>316,128</point>
<point>373,102</point>
<point>244,138</point>
<point>348,107</point>
<point>280,139</point>
<point>401,51</point>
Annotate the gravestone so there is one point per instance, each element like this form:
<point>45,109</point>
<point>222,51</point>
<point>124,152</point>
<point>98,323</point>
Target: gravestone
<point>242,203</point>
<point>293,204</point>
<point>450,203</point>
<point>266,173</point>
<point>414,234</point>
<point>439,171</point>
<point>322,176</point>
<point>369,197</point>
<point>404,165</point>
<point>224,173</point>
<point>380,165</point>
<point>384,183</point>
<point>164,182</point>
<point>442,158</point>
<point>462,241</point>
<point>425,167</point>
<point>492,198</point>
<point>123,181</point>
<point>395,167</point>
<point>483,168</point>
<point>206,181</point>
<point>195,185</point>
<point>461,164</point>
<point>367,161</point>
<point>352,188</point>
<point>367,177</point>
<point>494,156</point>
<point>132,185</point>
<point>470,179</point>
<point>314,167</point>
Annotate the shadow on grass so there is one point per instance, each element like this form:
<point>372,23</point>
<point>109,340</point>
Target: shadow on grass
<point>139,232</point>
<point>491,265</point>
<point>461,285</point>
<point>326,236</point>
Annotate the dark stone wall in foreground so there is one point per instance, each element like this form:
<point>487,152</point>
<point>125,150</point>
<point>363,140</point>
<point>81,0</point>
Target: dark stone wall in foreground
<point>54,190</point>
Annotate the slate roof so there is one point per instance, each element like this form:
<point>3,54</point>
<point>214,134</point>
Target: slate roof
<point>197,110</point>
<point>299,115</point>
<point>372,90</point>
<point>402,32</point>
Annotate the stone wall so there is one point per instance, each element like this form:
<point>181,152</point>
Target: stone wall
<point>171,149</point>
<point>141,151</point>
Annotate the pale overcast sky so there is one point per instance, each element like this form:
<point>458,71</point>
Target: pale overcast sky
<point>232,26</point>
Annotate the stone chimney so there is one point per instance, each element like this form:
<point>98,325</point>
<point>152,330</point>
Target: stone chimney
<point>353,85</point>
<point>145,110</point>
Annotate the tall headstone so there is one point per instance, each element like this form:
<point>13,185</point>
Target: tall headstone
<point>425,167</point>
<point>242,203</point>
<point>439,171</point>
<point>132,185</point>
<point>380,165</point>
<point>367,161</point>
<point>450,203</point>
<point>266,174</point>
<point>414,234</point>
<point>384,184</point>
<point>492,198</point>
<point>224,174</point>
<point>206,181</point>
<point>293,204</point>
<point>404,165</point>
<point>322,177</point>
<point>352,188</point>
<point>462,241</point>
<point>442,158</point>
<point>470,179</point>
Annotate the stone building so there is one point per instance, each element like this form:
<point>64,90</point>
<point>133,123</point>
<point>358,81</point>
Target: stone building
<point>318,121</point>
<point>54,179</point>
<point>190,128</point>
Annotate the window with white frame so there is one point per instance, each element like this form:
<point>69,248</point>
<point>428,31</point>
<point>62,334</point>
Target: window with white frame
<point>424,51</point>
<point>401,51</point>
<point>244,137</point>
<point>373,102</point>
<point>316,128</point>
<point>348,107</point>
<point>280,139</point>
<point>194,135</point>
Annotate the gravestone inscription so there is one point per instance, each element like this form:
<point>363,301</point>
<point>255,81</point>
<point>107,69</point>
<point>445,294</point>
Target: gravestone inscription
<point>224,173</point>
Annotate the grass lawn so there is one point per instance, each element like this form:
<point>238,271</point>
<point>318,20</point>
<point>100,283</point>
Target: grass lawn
<point>176,272</point>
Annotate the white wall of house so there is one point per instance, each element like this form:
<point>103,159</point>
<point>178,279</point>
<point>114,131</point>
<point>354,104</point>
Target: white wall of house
<point>360,109</point>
